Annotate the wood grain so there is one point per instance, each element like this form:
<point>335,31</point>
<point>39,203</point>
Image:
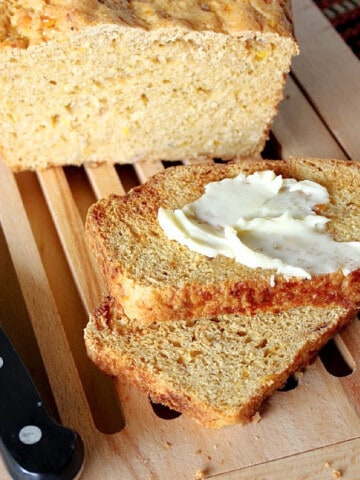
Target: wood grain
<point>299,129</point>
<point>104,180</point>
<point>146,170</point>
<point>71,232</point>
<point>339,461</point>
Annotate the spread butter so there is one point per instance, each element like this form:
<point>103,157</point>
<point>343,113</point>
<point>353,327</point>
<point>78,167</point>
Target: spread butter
<point>262,221</point>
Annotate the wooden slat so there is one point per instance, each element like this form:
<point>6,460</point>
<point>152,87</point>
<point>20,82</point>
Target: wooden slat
<point>196,161</point>
<point>329,72</point>
<point>104,180</point>
<point>71,232</point>
<point>146,170</point>
<point>300,131</point>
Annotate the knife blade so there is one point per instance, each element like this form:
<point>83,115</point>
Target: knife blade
<point>32,444</point>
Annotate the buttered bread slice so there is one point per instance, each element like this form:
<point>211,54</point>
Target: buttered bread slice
<point>157,278</point>
<point>218,370</point>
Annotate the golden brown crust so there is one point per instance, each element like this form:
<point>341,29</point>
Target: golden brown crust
<point>158,279</point>
<point>146,304</point>
<point>121,352</point>
<point>22,25</point>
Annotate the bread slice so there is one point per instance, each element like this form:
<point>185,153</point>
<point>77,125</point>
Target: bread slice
<point>119,81</point>
<point>216,370</point>
<point>155,278</point>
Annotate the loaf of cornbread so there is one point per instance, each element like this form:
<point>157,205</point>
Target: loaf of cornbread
<point>120,81</point>
<point>219,370</point>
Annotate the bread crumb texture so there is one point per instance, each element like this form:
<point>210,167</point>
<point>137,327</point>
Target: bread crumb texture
<point>336,474</point>
<point>218,371</point>
<point>256,418</point>
<point>200,474</point>
<point>119,81</point>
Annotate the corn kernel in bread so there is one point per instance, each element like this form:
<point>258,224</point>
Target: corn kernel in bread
<point>118,81</point>
<point>216,370</point>
<point>155,278</point>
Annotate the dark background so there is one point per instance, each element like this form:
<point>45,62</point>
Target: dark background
<point>345,17</point>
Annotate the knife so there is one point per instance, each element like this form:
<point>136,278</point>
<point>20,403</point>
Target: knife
<point>32,444</point>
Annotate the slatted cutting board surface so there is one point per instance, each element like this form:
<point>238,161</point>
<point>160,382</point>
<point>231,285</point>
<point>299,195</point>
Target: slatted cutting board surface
<point>49,282</point>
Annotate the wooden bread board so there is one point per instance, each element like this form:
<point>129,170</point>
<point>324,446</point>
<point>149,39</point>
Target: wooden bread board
<point>49,282</point>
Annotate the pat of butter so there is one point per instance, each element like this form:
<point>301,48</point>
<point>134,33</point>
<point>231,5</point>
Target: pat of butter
<point>262,221</point>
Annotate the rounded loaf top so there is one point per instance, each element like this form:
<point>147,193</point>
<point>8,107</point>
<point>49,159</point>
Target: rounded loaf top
<point>32,22</point>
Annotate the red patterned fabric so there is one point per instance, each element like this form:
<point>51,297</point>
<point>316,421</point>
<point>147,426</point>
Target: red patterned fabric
<point>345,17</point>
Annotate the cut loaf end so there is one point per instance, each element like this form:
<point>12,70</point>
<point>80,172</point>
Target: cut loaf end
<point>140,80</point>
<point>219,370</point>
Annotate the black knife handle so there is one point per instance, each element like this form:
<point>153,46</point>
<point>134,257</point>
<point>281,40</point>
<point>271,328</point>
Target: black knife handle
<point>32,444</point>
